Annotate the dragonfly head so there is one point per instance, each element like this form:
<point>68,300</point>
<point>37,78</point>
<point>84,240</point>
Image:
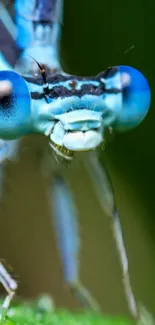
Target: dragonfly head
<point>81,108</point>
<point>74,111</point>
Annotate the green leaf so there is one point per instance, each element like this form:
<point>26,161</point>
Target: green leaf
<point>42,312</point>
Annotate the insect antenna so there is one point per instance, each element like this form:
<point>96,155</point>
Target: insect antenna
<point>43,74</point>
<point>45,83</point>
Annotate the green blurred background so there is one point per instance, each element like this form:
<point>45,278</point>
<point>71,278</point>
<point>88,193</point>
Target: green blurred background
<point>96,34</point>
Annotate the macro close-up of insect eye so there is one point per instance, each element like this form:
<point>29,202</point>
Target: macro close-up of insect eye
<point>76,160</point>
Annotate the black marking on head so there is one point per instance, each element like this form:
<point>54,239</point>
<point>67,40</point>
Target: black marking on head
<point>86,89</point>
<point>108,73</point>
<point>57,77</point>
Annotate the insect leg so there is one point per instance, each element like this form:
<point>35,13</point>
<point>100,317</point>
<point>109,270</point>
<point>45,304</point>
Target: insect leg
<point>8,151</point>
<point>10,286</point>
<point>66,227</point>
<point>105,194</point>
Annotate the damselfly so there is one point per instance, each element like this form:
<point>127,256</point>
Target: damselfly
<point>73,113</point>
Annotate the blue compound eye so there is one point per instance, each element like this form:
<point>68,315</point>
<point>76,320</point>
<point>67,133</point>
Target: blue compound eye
<point>136,98</point>
<point>15,108</point>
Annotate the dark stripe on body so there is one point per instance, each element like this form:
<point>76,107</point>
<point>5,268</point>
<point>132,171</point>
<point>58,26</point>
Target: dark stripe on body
<point>55,78</point>
<point>8,46</point>
<point>64,92</point>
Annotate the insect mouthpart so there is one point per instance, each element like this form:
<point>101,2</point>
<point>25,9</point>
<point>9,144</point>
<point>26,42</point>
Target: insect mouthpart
<point>62,150</point>
<point>74,131</point>
<point>66,143</point>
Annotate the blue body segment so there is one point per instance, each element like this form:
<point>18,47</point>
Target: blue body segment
<point>66,227</point>
<point>24,14</point>
<point>37,39</point>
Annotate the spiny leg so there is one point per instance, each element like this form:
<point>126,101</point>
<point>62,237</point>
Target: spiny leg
<point>105,194</point>
<point>66,227</point>
<point>10,286</point>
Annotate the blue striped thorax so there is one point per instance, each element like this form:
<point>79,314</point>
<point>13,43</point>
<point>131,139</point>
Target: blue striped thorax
<point>74,111</point>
